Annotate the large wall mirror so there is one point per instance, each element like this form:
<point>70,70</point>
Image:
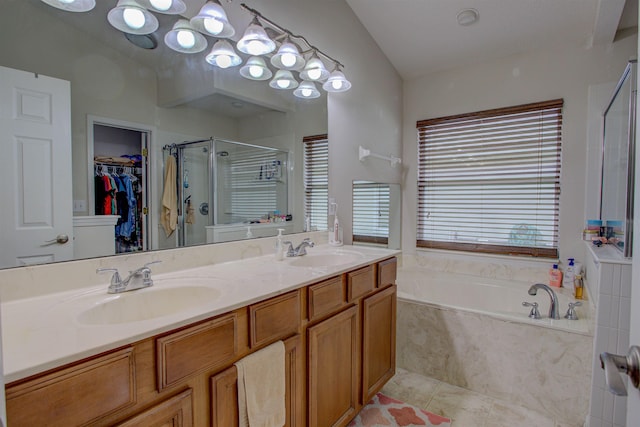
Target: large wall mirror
<point>128,100</point>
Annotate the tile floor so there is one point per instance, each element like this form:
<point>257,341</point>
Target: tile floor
<point>465,408</point>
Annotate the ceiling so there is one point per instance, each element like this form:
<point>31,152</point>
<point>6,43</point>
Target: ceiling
<point>422,36</point>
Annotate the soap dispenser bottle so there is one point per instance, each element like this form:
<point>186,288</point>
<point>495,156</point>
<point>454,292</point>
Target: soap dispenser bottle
<point>569,274</point>
<point>555,276</point>
<point>279,254</point>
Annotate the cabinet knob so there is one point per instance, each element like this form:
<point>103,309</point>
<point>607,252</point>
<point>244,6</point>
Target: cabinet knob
<point>614,364</point>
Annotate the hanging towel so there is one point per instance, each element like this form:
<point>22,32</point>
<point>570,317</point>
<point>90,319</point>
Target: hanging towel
<point>261,388</point>
<point>191,213</point>
<point>169,215</point>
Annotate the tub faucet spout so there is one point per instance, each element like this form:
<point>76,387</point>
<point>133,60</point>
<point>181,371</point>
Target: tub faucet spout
<point>553,308</point>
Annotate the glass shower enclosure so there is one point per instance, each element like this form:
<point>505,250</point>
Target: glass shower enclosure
<point>618,164</point>
<point>221,182</point>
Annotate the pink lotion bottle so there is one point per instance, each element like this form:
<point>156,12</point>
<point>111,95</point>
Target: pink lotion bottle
<point>555,276</point>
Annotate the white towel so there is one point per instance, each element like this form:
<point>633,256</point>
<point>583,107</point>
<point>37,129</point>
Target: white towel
<point>261,388</point>
<point>169,215</point>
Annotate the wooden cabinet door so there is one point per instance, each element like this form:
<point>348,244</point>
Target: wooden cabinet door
<point>174,412</point>
<point>378,341</point>
<point>333,369</point>
<point>224,389</point>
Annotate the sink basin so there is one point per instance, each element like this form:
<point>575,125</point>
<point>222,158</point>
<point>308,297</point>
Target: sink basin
<point>145,304</point>
<point>325,260</point>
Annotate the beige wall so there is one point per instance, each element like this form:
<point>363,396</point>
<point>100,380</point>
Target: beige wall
<point>519,79</point>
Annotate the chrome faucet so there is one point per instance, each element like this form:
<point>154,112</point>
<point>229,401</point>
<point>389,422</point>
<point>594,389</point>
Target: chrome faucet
<point>301,249</point>
<point>137,279</point>
<point>553,308</point>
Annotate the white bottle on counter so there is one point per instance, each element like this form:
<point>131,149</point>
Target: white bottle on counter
<point>279,254</point>
<point>569,274</point>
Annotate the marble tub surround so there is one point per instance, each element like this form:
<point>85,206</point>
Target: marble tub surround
<point>543,369</point>
<point>43,331</point>
<point>31,281</point>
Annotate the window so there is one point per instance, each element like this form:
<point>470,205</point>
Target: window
<point>490,181</point>
<point>370,212</point>
<point>316,180</point>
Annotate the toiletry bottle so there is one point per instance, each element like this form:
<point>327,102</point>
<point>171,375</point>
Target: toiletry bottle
<point>578,287</point>
<point>279,254</point>
<point>249,233</point>
<point>569,274</point>
<point>555,276</point>
<point>336,227</point>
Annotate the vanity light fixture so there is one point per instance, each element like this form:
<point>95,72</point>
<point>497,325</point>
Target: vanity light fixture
<point>255,40</point>
<point>168,7</point>
<point>130,17</point>
<point>212,20</point>
<point>288,57</point>
<point>223,56</point>
<point>314,70</point>
<point>307,90</point>
<point>283,80</point>
<point>72,5</point>
<point>184,38</point>
<point>256,69</point>
<point>337,82</point>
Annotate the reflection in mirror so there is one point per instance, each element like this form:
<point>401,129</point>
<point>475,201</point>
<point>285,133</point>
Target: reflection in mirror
<point>616,204</point>
<point>376,214</point>
<point>173,96</point>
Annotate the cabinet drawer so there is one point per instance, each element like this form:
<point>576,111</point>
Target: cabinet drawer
<point>274,319</point>
<point>326,297</point>
<point>360,282</point>
<point>387,272</point>
<point>206,345</point>
<point>175,412</point>
<point>75,395</point>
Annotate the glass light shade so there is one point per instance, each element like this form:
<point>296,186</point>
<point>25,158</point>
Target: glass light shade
<point>288,57</point>
<point>184,38</point>
<point>129,17</point>
<point>314,70</point>
<point>256,69</point>
<point>72,5</point>
<point>212,20</point>
<point>223,56</point>
<point>255,40</point>
<point>336,82</point>
<point>283,80</point>
<point>307,90</point>
<point>168,7</point>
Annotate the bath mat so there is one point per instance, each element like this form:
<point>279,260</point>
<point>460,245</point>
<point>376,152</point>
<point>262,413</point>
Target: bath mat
<point>385,411</point>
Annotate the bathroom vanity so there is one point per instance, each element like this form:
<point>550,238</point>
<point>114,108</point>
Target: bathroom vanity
<point>337,324</point>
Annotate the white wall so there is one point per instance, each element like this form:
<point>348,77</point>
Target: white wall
<point>519,79</point>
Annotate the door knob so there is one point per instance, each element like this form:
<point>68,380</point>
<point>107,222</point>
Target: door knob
<point>614,364</point>
<point>60,239</point>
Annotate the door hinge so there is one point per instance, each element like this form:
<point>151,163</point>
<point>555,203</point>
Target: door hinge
<point>145,152</point>
<point>145,211</point>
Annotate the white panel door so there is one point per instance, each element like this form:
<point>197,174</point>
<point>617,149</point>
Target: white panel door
<point>35,169</point>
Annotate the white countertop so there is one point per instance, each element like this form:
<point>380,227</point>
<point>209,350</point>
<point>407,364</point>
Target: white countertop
<point>44,332</point>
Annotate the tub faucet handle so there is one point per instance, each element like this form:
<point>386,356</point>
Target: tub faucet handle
<point>534,313</point>
<point>571,312</point>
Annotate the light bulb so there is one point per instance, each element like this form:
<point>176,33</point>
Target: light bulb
<point>67,1</point>
<point>213,26</point>
<point>186,39</point>
<point>283,84</point>
<point>288,59</point>
<point>256,71</point>
<point>337,84</point>
<point>314,74</point>
<point>161,4</point>
<point>306,92</point>
<point>134,18</point>
<point>255,47</point>
<point>223,61</point>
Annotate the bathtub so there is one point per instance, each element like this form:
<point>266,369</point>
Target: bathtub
<point>473,332</point>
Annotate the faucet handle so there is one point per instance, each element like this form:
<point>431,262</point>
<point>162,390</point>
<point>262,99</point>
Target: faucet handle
<point>290,251</point>
<point>571,313</point>
<point>116,280</point>
<point>534,313</point>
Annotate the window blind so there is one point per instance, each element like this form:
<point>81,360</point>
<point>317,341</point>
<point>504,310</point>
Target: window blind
<point>370,212</point>
<point>490,181</point>
<point>316,180</point>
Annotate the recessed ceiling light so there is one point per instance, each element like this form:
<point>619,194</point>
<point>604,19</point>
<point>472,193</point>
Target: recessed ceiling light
<point>468,16</point>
